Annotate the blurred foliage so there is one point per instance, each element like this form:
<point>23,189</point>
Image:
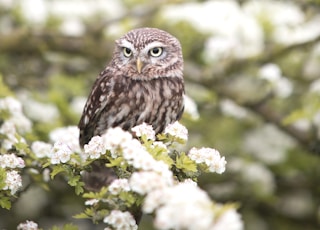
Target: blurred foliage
<point>56,67</point>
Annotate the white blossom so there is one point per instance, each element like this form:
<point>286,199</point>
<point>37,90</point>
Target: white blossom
<point>91,202</point>
<point>60,153</point>
<point>68,135</point>
<point>190,107</point>
<point>210,157</point>
<point>11,161</point>
<point>183,206</point>
<point>118,186</point>
<point>144,129</point>
<point>230,108</point>
<point>270,72</point>
<point>146,181</point>
<point>39,111</point>
<point>95,148</point>
<point>28,225</point>
<point>115,138</point>
<point>13,181</point>
<point>230,220</point>
<point>41,149</point>
<point>77,104</point>
<point>177,130</point>
<point>11,104</point>
<point>121,220</point>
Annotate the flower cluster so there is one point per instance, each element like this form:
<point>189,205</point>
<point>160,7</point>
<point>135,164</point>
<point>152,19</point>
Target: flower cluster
<point>28,225</point>
<point>11,163</point>
<point>144,129</point>
<point>121,220</point>
<point>14,122</point>
<point>210,157</point>
<point>195,209</point>
<point>176,205</point>
<point>177,130</point>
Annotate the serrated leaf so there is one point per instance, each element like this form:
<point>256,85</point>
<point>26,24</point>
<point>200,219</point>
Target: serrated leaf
<point>56,170</point>
<point>79,188</point>
<point>5,203</point>
<point>185,163</point>
<point>81,216</point>
<point>73,180</point>
<point>114,162</point>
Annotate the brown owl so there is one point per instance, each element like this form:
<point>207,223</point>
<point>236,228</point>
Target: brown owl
<point>142,83</point>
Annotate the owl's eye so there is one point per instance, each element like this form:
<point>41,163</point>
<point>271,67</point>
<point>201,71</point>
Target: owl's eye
<point>127,52</point>
<point>156,51</point>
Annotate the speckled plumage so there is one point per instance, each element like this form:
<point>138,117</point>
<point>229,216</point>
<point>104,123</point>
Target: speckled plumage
<point>125,96</point>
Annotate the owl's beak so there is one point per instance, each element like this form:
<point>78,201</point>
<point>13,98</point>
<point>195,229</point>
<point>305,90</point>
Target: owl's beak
<point>139,65</point>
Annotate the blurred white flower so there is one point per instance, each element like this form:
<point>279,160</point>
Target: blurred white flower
<point>77,104</point>
<point>299,33</point>
<point>60,153</point>
<point>268,144</point>
<point>225,20</point>
<point>34,10</point>
<point>283,88</point>
<point>8,129</point>
<point>68,135</point>
<point>277,13</point>
<point>144,129</point>
<point>229,220</point>
<point>13,181</point>
<point>183,206</point>
<point>91,202</point>
<point>210,157</point>
<point>41,149</point>
<point>115,138</point>
<point>17,118</point>
<point>41,112</point>
<point>147,181</point>
<point>229,108</point>
<point>281,85</point>
<point>260,177</point>
<point>190,107</point>
<point>270,72</point>
<point>315,86</point>
<point>28,225</point>
<point>118,186</point>
<point>177,130</point>
<point>95,148</point>
<point>121,220</point>
<point>11,104</point>
<point>11,161</point>
<point>296,204</point>
<point>72,26</point>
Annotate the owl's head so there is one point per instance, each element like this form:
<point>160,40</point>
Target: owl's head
<point>148,53</point>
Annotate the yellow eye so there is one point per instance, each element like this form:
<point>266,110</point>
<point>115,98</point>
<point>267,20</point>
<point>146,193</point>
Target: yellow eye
<point>156,51</point>
<point>127,52</point>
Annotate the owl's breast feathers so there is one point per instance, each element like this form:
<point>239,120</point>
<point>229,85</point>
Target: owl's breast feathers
<point>120,101</point>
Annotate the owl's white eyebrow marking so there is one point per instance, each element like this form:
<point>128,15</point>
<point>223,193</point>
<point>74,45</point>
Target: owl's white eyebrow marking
<point>125,43</point>
<point>154,44</point>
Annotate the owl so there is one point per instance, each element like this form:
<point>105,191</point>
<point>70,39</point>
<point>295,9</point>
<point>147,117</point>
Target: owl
<point>142,83</point>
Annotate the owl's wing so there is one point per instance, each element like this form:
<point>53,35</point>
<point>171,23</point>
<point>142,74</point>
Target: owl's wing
<point>96,102</point>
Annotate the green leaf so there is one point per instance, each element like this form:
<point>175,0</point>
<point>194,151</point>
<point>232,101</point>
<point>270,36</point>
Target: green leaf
<point>56,170</point>
<point>74,180</point>
<point>115,162</point>
<point>184,163</point>
<point>70,227</point>
<point>5,202</point>
<point>79,188</point>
